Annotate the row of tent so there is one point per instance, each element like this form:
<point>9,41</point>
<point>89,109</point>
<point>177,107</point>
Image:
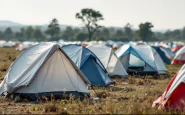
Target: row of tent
<point>174,46</point>
<point>163,50</point>
<point>166,54</point>
<point>48,68</point>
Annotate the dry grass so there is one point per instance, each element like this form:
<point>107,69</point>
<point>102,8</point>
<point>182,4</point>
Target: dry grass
<point>7,56</point>
<point>128,96</point>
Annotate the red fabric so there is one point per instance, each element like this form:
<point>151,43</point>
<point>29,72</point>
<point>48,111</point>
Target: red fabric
<point>140,43</point>
<point>85,45</point>
<point>161,98</point>
<point>175,61</point>
<point>176,100</point>
<point>176,48</point>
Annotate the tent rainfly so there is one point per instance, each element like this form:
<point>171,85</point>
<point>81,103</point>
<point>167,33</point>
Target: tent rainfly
<point>179,57</point>
<point>163,56</point>
<point>109,60</point>
<point>168,52</point>
<point>42,70</point>
<point>174,96</point>
<point>142,59</point>
<point>89,64</point>
<point>176,48</point>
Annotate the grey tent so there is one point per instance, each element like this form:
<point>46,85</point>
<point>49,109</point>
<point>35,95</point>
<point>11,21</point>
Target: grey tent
<point>42,70</point>
<point>109,59</point>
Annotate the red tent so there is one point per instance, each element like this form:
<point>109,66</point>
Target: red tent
<point>175,49</point>
<point>179,57</point>
<point>174,96</point>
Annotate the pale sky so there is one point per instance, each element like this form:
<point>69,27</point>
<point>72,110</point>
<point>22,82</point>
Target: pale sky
<point>164,14</point>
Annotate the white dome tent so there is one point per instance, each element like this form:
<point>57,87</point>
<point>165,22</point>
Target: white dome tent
<point>143,57</point>
<point>42,70</point>
<point>109,60</point>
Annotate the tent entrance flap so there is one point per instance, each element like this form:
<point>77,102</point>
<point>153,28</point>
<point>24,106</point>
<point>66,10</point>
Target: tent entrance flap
<point>135,62</point>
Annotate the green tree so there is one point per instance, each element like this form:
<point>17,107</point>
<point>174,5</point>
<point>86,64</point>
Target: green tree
<point>67,34</point>
<point>8,34</point>
<point>77,30</point>
<point>53,29</point>
<point>106,33</point>
<point>23,34</point>
<point>128,31</point>
<point>176,34</point>
<point>29,32</point>
<point>81,36</point>
<point>1,35</point>
<point>99,35</point>
<point>145,32</point>
<point>90,19</point>
<point>173,34</point>
<point>119,33</point>
<point>18,36</point>
<point>183,33</point>
<point>37,34</point>
<point>120,36</point>
<point>159,36</point>
<point>167,34</point>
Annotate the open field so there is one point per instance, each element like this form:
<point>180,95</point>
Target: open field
<point>128,96</point>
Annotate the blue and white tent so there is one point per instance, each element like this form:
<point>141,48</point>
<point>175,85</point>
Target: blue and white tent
<point>109,59</point>
<point>163,56</point>
<point>168,52</point>
<point>142,56</point>
<point>42,70</point>
<point>89,64</point>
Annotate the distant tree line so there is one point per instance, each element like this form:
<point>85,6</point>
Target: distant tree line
<point>126,33</point>
<point>91,31</point>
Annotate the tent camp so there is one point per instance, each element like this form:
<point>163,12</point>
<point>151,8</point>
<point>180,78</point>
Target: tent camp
<point>109,60</point>
<point>174,96</point>
<point>163,56</point>
<point>89,64</point>
<point>42,70</point>
<point>168,52</point>
<point>179,57</point>
<point>142,59</point>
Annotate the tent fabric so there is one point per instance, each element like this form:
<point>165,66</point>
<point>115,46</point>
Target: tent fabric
<point>89,64</point>
<point>162,55</point>
<point>145,53</point>
<point>179,57</point>
<point>43,68</point>
<point>176,48</point>
<point>108,59</point>
<point>174,97</point>
<point>168,52</point>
